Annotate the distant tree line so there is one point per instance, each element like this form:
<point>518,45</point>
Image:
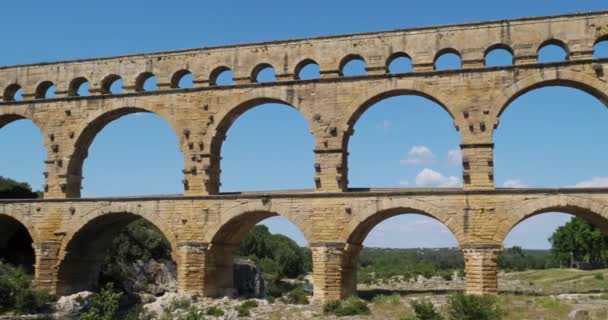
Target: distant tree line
<point>11,189</point>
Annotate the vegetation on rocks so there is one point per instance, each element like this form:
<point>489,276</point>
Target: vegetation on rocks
<point>350,306</point>
<point>17,294</point>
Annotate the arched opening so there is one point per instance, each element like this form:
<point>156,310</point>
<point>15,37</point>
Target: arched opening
<point>136,153</point>
<point>307,70</point>
<point>16,245</point>
<point>600,49</point>
<point>402,251</point>
<point>79,87</point>
<point>45,90</point>
<point>557,126</point>
<point>272,244</point>
<point>499,55</point>
<point>263,72</point>
<point>552,51</point>
<point>399,63</point>
<point>118,248</point>
<point>276,141</point>
<point>556,250</point>
<point>448,59</point>
<point>221,76</point>
<point>13,93</point>
<point>353,65</point>
<point>112,84</point>
<point>23,152</point>
<point>419,149</point>
<point>182,79</point>
<point>146,82</point>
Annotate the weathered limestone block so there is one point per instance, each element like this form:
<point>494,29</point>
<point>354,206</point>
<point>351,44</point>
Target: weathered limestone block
<point>481,268</point>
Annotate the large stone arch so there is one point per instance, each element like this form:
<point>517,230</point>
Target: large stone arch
<point>547,78</point>
<point>92,126</point>
<point>592,210</point>
<point>224,120</point>
<point>87,239</point>
<point>367,217</point>
<point>15,228</point>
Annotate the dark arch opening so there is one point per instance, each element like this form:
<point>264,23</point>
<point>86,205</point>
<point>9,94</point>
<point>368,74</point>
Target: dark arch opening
<point>266,239</point>
<point>136,143</point>
<point>146,82</point>
<point>308,69</point>
<point>45,90</point>
<point>498,55</point>
<point>89,254</point>
<point>397,245</point>
<point>221,76</point>
<point>275,139</point>
<point>554,123</point>
<point>112,84</point>
<point>79,87</point>
<point>448,59</point>
<point>16,244</point>
<point>353,65</point>
<point>429,162</point>
<point>553,50</point>
<point>399,62</point>
<point>263,72</point>
<point>13,93</point>
<point>182,79</point>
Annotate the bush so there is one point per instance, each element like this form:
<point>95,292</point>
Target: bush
<point>214,311</point>
<point>16,293</point>
<point>244,308</point>
<point>424,310</point>
<point>473,307</point>
<point>383,299</point>
<point>599,276</point>
<point>297,296</point>
<point>350,306</point>
<point>104,305</point>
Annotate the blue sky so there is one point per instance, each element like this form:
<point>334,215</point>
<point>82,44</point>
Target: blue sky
<point>551,137</point>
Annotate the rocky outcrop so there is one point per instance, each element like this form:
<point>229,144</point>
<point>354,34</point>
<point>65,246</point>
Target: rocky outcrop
<point>248,280</point>
<point>151,277</point>
<point>73,304</point>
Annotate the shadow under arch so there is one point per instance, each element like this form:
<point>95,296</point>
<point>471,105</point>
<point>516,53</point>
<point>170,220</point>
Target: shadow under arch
<point>84,248</point>
<point>17,240</point>
<point>86,135</point>
<point>593,211</point>
<point>225,239</point>
<point>553,78</point>
<point>226,119</point>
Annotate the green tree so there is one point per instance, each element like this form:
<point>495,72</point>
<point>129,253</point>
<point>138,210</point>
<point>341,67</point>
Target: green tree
<point>581,241</point>
<point>11,189</point>
<point>104,305</point>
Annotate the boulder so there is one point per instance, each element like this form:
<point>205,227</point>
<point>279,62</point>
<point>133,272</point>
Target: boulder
<point>248,280</point>
<point>73,304</point>
<point>578,315</point>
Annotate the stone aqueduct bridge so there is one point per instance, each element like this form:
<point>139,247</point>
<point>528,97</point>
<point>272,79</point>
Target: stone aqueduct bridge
<point>204,226</point>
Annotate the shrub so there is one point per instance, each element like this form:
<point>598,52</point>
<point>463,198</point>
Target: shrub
<point>214,311</point>
<point>599,276</point>
<point>473,307</point>
<point>424,310</point>
<point>383,299</point>
<point>16,293</point>
<point>350,306</point>
<point>297,296</point>
<point>244,308</point>
<point>104,305</point>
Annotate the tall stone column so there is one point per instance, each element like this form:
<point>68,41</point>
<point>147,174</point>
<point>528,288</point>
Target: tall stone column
<point>47,258</point>
<point>219,270</point>
<point>481,268</point>
<point>328,272</point>
<point>191,260</point>
<point>201,174</point>
<point>330,170</point>
<point>478,165</point>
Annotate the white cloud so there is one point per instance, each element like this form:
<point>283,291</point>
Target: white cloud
<point>515,183</point>
<point>419,155</point>
<point>455,157</point>
<point>595,182</point>
<point>432,179</point>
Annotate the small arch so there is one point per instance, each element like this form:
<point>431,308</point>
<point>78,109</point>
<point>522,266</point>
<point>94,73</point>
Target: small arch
<point>146,81</point>
<point>221,76</point>
<point>399,62</point>
<point>16,244</point>
<point>79,87</point>
<point>84,249</point>
<point>13,92</point>
<point>448,59</point>
<point>553,50</point>
<point>353,65</point>
<point>498,55</point>
<point>182,79</point>
<point>600,48</point>
<point>307,69</point>
<point>45,90</point>
<point>263,72</point>
<point>112,84</point>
